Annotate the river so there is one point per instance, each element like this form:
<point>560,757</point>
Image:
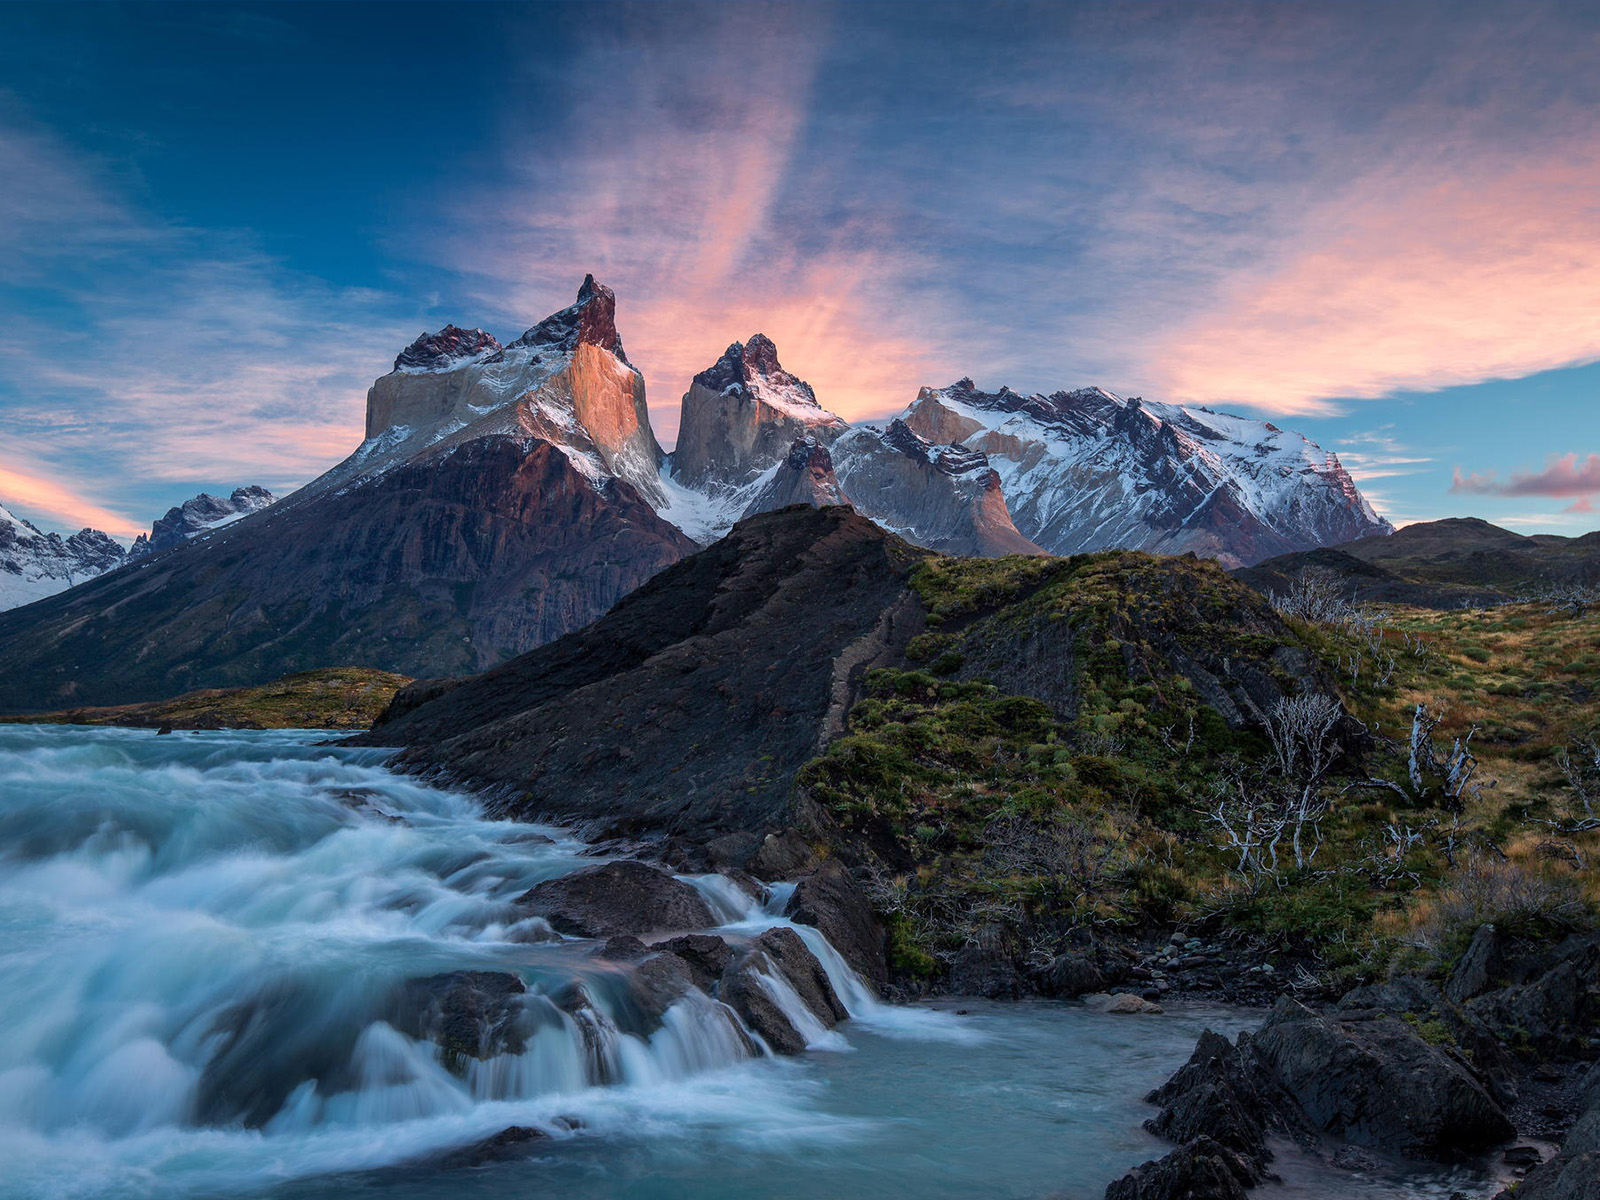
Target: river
<point>199,934</point>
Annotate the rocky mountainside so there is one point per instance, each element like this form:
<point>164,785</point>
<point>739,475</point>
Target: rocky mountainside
<point>1089,470</point>
<point>1441,564</point>
<point>690,706</point>
<point>193,517</point>
<point>503,497</point>
<point>34,565</point>
<point>506,494</point>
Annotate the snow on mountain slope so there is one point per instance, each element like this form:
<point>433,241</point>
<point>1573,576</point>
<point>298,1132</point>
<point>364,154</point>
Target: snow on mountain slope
<point>567,381</point>
<point>34,565</point>
<point>199,515</point>
<point>1090,470</point>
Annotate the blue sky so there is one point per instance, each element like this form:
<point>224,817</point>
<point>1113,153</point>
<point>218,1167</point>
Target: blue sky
<point>1374,223</point>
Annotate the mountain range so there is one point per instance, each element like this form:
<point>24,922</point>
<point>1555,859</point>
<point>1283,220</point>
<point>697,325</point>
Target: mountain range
<point>507,494</point>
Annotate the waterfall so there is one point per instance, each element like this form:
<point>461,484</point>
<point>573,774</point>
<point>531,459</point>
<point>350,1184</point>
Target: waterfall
<point>208,932</point>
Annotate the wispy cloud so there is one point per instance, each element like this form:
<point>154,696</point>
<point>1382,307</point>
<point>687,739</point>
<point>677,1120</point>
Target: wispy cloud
<point>681,185</point>
<point>1565,475</point>
<point>35,494</point>
<point>163,353</point>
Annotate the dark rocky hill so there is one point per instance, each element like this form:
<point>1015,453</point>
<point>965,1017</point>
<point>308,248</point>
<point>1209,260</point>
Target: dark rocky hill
<point>432,568</point>
<point>1440,564</point>
<point>691,706</point>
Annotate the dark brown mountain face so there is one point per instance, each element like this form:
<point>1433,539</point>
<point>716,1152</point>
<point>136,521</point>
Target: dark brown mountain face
<point>434,568</point>
<point>1440,564</point>
<point>688,707</point>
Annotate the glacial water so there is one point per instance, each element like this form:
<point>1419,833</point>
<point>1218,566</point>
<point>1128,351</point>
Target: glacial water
<point>200,936</point>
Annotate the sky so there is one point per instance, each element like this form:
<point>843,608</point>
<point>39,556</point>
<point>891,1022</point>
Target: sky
<point>1376,224</point>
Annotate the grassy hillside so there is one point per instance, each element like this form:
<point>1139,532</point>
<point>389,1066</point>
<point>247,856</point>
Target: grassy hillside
<point>334,698</point>
<point>1113,745</point>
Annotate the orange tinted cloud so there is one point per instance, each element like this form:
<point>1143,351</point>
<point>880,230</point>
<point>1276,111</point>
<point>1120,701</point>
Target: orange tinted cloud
<point>1416,278</point>
<point>680,191</point>
<point>35,494</point>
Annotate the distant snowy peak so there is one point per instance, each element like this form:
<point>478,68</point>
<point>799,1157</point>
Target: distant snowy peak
<point>1089,470</point>
<point>446,349</point>
<point>197,515</point>
<point>34,565</point>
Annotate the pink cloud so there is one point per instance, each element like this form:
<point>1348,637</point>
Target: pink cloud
<point>1421,276</point>
<point>677,190</point>
<point>1581,505</point>
<point>1564,475</point>
<point>36,494</point>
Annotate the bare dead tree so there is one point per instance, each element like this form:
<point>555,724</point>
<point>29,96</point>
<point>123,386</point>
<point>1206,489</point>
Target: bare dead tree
<point>1567,598</point>
<point>1580,764</point>
<point>1315,594</point>
<point>1442,779</point>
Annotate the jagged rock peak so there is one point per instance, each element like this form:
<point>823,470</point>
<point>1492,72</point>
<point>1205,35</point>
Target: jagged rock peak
<point>198,514</point>
<point>592,321</point>
<point>751,369</point>
<point>442,350</point>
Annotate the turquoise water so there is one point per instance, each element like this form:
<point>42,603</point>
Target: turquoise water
<point>159,895</point>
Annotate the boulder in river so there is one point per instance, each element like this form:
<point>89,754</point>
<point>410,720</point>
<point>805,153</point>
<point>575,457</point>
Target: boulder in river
<point>467,1014</point>
<point>1197,1170</point>
<point>1371,1079</point>
<point>618,898</point>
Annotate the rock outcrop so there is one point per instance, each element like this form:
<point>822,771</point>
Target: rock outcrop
<point>618,898</point>
<point>805,476</point>
<point>781,992</point>
<point>830,899</point>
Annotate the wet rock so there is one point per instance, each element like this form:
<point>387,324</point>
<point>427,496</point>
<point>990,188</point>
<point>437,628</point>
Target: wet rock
<point>705,954</point>
<point>467,1014</point>
<point>616,898</point>
<point>1574,1173</point>
<point>1372,1080</point>
<point>1121,1003</point>
<point>986,967</point>
<point>831,900</point>
<point>658,983</point>
<point>1071,975</point>
<point>1222,1093</point>
<point>1197,1170</point>
<point>512,1142</point>
<point>622,948</point>
<point>1476,972</point>
<point>780,856</point>
<point>779,953</point>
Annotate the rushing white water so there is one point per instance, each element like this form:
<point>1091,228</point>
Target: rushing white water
<point>203,936</point>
